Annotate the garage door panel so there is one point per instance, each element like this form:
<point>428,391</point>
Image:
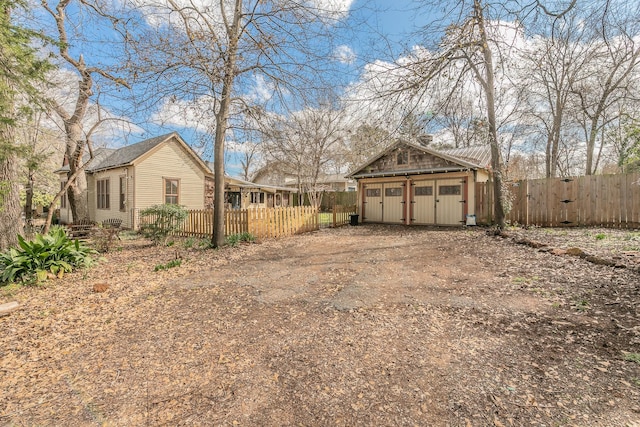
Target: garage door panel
<point>423,198</point>
<point>449,202</point>
<point>393,203</point>
<point>373,203</point>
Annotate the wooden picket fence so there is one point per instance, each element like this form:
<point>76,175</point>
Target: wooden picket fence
<point>262,223</point>
<point>336,216</point>
<point>596,200</point>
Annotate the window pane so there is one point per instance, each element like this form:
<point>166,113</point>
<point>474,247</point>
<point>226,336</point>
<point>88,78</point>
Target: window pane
<point>393,192</point>
<point>449,190</point>
<point>373,192</point>
<point>424,191</point>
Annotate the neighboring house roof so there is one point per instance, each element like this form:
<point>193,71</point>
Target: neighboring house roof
<point>106,158</point>
<point>248,184</point>
<point>460,159</point>
<point>333,178</point>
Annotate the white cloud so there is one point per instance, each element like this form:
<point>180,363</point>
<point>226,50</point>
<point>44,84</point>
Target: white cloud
<point>111,127</point>
<point>344,54</point>
<point>262,90</point>
<point>337,9</point>
<point>188,114</point>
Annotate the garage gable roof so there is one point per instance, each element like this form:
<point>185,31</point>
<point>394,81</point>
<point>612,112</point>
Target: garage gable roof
<point>457,159</point>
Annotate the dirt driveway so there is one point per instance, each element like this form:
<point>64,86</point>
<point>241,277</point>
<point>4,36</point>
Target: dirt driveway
<point>363,326</point>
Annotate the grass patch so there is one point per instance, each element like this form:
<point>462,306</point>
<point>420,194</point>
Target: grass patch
<point>582,305</point>
<point>233,239</point>
<point>170,264</point>
<point>632,357</point>
<point>601,236</point>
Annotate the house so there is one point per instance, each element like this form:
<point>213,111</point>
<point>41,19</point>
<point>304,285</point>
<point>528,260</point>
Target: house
<point>241,194</point>
<point>164,169</point>
<point>122,182</point>
<point>276,172</point>
<point>409,183</point>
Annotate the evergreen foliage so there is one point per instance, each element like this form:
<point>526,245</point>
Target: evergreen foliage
<point>53,253</point>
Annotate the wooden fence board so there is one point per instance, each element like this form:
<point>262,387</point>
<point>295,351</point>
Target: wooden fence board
<point>262,223</point>
<point>597,200</point>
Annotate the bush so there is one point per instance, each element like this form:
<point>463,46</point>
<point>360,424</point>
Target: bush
<point>159,221</point>
<point>54,253</point>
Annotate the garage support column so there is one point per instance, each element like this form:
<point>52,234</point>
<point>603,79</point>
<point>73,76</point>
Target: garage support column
<point>465,209</point>
<point>407,202</point>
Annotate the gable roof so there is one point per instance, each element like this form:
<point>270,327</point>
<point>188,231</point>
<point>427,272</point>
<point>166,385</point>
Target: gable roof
<point>128,154</point>
<point>478,157</point>
<point>99,155</point>
<point>107,158</point>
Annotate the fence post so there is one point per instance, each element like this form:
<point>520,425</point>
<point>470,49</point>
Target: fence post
<point>334,217</point>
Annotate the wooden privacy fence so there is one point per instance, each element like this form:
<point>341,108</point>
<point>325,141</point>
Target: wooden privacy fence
<point>596,200</point>
<point>262,223</point>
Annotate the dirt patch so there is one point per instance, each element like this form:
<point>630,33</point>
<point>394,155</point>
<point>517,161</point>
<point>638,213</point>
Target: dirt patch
<point>366,325</point>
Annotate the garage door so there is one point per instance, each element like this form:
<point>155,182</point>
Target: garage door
<point>437,202</point>
<point>384,202</point>
<point>373,203</point>
<point>393,203</point>
<point>424,202</point>
<point>449,202</point>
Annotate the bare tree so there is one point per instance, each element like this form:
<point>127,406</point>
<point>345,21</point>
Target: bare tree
<point>550,66</point>
<point>609,75</point>
<point>304,144</point>
<point>228,53</point>
<point>73,118</point>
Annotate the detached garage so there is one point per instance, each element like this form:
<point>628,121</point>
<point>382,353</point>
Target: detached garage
<point>414,184</point>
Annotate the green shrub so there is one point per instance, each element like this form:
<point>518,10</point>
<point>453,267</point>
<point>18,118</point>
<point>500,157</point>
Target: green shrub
<point>159,221</point>
<point>53,253</point>
<point>170,264</point>
<point>234,239</point>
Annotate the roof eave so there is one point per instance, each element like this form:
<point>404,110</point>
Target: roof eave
<point>413,172</point>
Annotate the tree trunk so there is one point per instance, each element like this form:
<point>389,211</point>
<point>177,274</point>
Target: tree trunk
<point>221,127</point>
<point>77,192</point>
<point>10,223</point>
<point>489,89</point>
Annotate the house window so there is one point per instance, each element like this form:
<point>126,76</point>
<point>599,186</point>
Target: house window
<point>449,190</point>
<point>424,191</point>
<point>403,158</point>
<point>171,191</point>
<point>63,198</point>
<point>257,197</point>
<point>123,193</point>
<point>393,192</point>
<point>103,193</point>
<point>373,192</point>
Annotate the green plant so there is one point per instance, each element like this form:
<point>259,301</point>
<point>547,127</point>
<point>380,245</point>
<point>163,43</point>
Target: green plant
<point>205,244</point>
<point>582,305</point>
<point>233,239</point>
<point>170,264</point>
<point>159,221</point>
<point>189,242</point>
<point>600,236</point>
<point>53,253</point>
<point>632,357</point>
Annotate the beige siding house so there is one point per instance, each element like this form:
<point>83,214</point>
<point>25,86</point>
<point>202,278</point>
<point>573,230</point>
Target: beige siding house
<point>413,184</point>
<point>123,182</point>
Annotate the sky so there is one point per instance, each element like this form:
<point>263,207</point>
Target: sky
<point>376,30</point>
